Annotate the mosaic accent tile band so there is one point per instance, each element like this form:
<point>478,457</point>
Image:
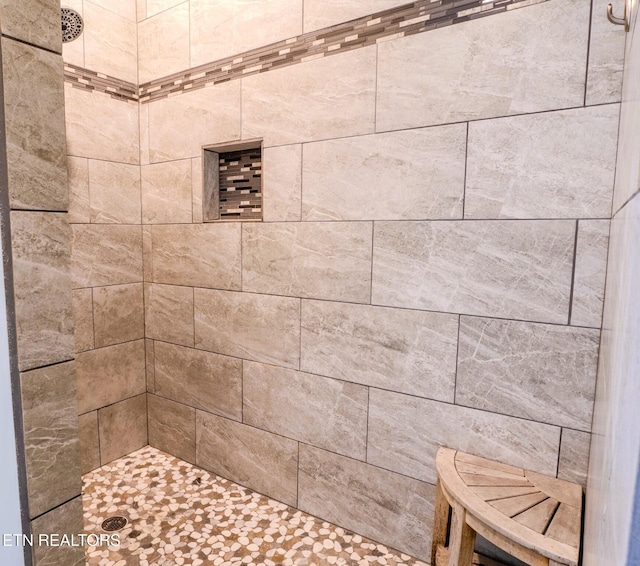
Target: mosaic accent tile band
<point>405,20</point>
<point>241,185</point>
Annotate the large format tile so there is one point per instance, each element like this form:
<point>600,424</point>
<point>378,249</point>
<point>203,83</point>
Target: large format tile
<point>169,313</point>
<point>66,519</point>
<point>105,255</point>
<point>405,433</point>
<point>251,457</point>
<point>573,463</point>
<point>324,412</point>
<point>207,381</point>
<point>282,183</point>
<point>172,427</point>
<point>519,61</point>
<point>118,314</point>
<point>83,319</point>
<point>325,98</point>
<point>408,351</point>
<point>150,364</point>
<point>377,503</point>
<point>202,255</point>
<point>108,375</point>
<point>33,21</point>
<point>542,372</point>
<point>123,428</point>
<point>34,127</point>
<point>494,268</point>
<point>414,175</point>
<point>320,14</point>
<point>50,419</point>
<point>166,193</point>
<point>78,182</point>
<point>549,165</point>
<point>42,288</point>
<point>114,192</point>
<point>261,328</point>
<point>124,8</point>
<point>153,7</point>
<point>89,442</point>
<point>318,260</point>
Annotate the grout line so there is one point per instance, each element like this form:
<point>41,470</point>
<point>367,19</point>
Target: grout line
<point>375,92</point>
<point>34,45</point>
<point>586,71</point>
<point>366,432</point>
<point>455,376</point>
<point>559,451</point>
<point>466,161</point>
<point>373,237</point>
<point>573,273</point>
<point>79,496</point>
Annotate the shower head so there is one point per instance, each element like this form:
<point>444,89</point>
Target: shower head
<point>71,25</point>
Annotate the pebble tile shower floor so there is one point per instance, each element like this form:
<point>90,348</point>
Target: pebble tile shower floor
<point>181,515</point>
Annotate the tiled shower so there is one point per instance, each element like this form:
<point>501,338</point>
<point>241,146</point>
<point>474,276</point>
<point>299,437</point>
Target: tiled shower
<point>443,188</point>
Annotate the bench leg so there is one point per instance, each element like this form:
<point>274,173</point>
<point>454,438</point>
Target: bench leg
<point>440,522</point>
<point>462,538</point>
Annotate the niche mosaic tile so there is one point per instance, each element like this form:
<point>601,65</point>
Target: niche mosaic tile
<point>179,514</point>
<point>241,185</point>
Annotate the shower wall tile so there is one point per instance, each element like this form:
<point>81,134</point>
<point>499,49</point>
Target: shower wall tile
<point>66,519</point>
<point>282,183</point>
<point>202,255</point>
<point>319,14</point>
<point>101,127</point>
<point>123,428</point>
<point>590,272</point>
<point>506,269</point>
<point>163,43</point>
<point>89,442</point>
<point>124,8</point>
<point>414,174</point>
<point>147,265</point>
<point>541,372</point>
<point>573,463</point>
<point>179,126</point>
<point>172,427</point>
<point>535,58</point>
<point>197,189</point>
<point>150,359</point>
<point>114,190</point>
<point>154,7</point>
<point>317,260</point>
<point>141,11</point>
<point>73,51</point>
<point>606,57</point>
<point>51,436</point>
<point>169,313</point>
<point>221,29</point>
<point>110,43</point>
<point>402,350</point>
<point>262,328</point>
<point>78,181</point>
<point>34,127</point>
<point>324,98</point>
<point>377,503</point>
<point>405,433</point>
<point>549,165</point>
<point>166,193</point>
<point>105,255</point>
<point>145,157</point>
<point>324,412</point>
<point>42,288</point>
<point>33,21</point>
<point>108,375</point>
<point>203,380</point>
<point>83,319</point>
<point>256,459</point>
<point>118,314</point>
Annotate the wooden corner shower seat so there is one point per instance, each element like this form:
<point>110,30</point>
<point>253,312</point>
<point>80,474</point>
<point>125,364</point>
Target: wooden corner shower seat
<point>533,517</point>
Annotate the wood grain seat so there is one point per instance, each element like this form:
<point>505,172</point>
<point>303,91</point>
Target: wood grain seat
<point>534,517</point>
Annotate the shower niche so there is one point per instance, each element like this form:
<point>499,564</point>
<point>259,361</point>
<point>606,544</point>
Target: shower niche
<point>232,181</point>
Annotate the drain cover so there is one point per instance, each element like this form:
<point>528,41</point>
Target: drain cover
<point>114,524</point>
<point>71,25</point>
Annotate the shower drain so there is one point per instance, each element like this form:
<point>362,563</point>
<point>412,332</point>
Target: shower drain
<point>114,524</point>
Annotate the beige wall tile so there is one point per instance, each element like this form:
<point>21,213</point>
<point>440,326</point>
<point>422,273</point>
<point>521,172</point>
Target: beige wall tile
<point>147,264</point>
<point>262,328</point>
<point>42,288</point>
<point>172,427</point>
<point>590,272</point>
<point>221,29</point>
<point>154,7</point>
<point>105,255</point>
<point>163,43</point>
<point>114,190</point>
<point>574,456</point>
<point>324,412</point>
<point>282,183</point>
<point>141,6</point>
<point>405,433</point>
<point>251,457</point>
<point>318,260</point>
<point>320,99</point>
<point>108,375</point>
<point>169,313</point>
<point>109,43</point>
<point>166,193</point>
<point>320,14</point>
<point>118,314</point>
<point>79,207</point>
<point>33,21</point>
<point>377,503</point>
<point>207,381</point>
<point>149,350</point>
<point>89,442</point>
<point>203,255</point>
<point>83,319</point>
<point>197,189</point>
<point>412,175</point>
<point>550,165</point>
<point>101,127</point>
<point>50,421</point>
<point>145,157</point>
<point>66,519</point>
<point>545,373</point>
<point>179,126</point>
<point>73,51</point>
<point>123,428</point>
<point>124,8</point>
<point>34,127</point>
<point>519,61</point>
<point>493,268</point>
<point>407,351</point>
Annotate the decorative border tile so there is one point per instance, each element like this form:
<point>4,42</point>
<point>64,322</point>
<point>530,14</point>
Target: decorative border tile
<point>85,79</point>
